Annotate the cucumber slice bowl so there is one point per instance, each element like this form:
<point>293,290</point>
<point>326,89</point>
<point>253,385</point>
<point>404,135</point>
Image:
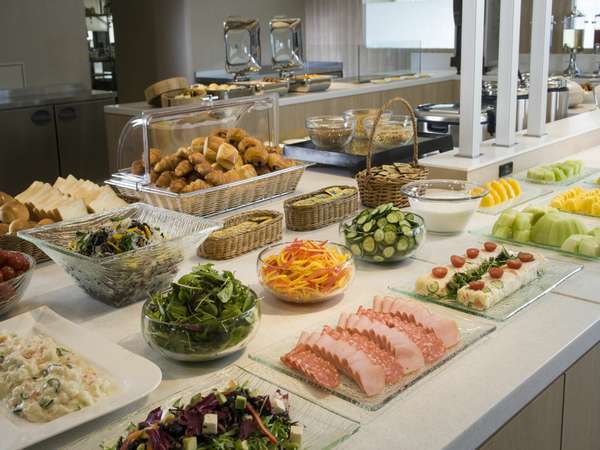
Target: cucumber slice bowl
<point>384,234</point>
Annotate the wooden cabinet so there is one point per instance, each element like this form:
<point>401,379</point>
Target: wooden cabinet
<point>581,416</point>
<point>565,416</point>
<point>537,426</point>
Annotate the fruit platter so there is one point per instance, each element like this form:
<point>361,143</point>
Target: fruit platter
<point>505,193</point>
<point>370,355</point>
<point>546,227</point>
<point>489,280</point>
<point>578,201</point>
<point>560,173</point>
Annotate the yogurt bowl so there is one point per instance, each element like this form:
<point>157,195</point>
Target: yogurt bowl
<point>445,205</point>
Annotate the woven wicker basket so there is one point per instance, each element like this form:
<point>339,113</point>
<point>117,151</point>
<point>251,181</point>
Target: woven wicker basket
<point>305,218</point>
<point>375,191</point>
<point>231,246</point>
<point>15,243</point>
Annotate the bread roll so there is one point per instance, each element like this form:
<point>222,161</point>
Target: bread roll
<point>227,155</point>
<point>19,224</point>
<point>257,156</point>
<point>4,197</point>
<point>198,144</point>
<point>219,132</point>
<point>13,210</point>
<point>43,222</point>
<point>231,175</point>
<point>211,145</point>
<point>246,171</point>
<point>249,142</point>
<point>235,135</point>
<point>137,167</point>
<point>154,156</point>
<point>3,228</point>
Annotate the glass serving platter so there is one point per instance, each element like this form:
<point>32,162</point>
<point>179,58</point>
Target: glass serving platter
<point>555,272</point>
<point>323,429</point>
<point>486,233</point>
<point>585,173</point>
<point>530,192</point>
<point>471,330</point>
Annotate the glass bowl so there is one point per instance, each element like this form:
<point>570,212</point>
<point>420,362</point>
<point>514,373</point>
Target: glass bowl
<point>445,205</point>
<point>406,239</point>
<point>330,132</point>
<point>131,276</point>
<point>12,290</point>
<point>359,116</point>
<point>334,279</point>
<point>209,340</point>
<point>391,132</point>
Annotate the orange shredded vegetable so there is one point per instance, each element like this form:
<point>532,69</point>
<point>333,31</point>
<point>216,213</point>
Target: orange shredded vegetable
<point>305,270</point>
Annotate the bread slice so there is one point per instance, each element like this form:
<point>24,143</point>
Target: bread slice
<point>72,209</point>
<point>107,200</point>
<point>33,189</point>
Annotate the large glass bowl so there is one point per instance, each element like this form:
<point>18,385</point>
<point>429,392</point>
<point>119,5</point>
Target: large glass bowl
<point>330,132</point>
<point>200,342</point>
<point>392,131</point>
<point>131,276</point>
<point>405,243</point>
<point>360,116</point>
<point>445,205</point>
<point>273,277</point>
<point>11,291</point>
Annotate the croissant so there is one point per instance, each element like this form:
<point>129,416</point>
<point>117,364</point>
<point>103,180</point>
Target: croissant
<point>166,163</point>
<point>216,178</point>
<point>196,186</point>
<point>196,158</point>
<point>277,162</point>
<point>257,156</point>
<point>177,184</point>
<point>235,135</point>
<point>183,152</point>
<point>227,155</point>
<point>262,170</point>
<point>164,180</point>
<point>183,168</point>
<point>219,132</point>
<point>192,177</point>
<point>275,149</point>
<point>198,144</point>
<point>246,171</point>
<point>249,142</point>
<point>154,156</point>
<point>153,176</point>
<point>231,175</point>
<point>204,168</point>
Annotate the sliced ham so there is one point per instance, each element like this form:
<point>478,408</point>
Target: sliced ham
<point>416,312</point>
<point>349,360</point>
<point>430,345</point>
<point>407,353</point>
<point>311,365</point>
<point>382,357</point>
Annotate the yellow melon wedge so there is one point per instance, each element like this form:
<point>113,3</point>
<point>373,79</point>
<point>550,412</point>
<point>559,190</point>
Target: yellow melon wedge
<point>500,190</point>
<point>508,187</point>
<point>515,185</point>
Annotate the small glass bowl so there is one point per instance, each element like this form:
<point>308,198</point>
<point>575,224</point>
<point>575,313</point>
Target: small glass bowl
<point>200,342</point>
<point>404,245</point>
<point>11,291</point>
<point>391,132</point>
<point>445,205</point>
<point>330,132</point>
<point>345,271</point>
<point>360,116</point>
<point>128,277</point>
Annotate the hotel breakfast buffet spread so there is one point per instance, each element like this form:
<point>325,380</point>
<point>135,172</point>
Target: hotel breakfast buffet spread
<point>351,307</point>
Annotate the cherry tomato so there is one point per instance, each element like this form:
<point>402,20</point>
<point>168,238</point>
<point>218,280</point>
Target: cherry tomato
<point>18,262</point>
<point>457,261</point>
<point>3,255</point>
<point>525,257</point>
<point>1,277</point>
<point>489,246</point>
<point>496,272</point>
<point>514,263</point>
<point>477,285</point>
<point>472,253</point>
<point>439,272</point>
<point>8,272</point>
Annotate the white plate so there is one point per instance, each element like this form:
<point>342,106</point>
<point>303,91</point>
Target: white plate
<point>133,376</point>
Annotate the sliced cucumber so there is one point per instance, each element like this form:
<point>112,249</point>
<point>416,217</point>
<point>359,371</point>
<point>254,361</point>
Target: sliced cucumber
<point>388,252</point>
<point>394,217</point>
<point>382,223</point>
<point>356,250</point>
<point>378,258</point>
<point>389,237</point>
<point>379,235</point>
<point>402,244</point>
<point>368,226</point>
<point>433,287</point>
<point>350,235</point>
<point>408,231</point>
<point>497,284</point>
<point>368,244</point>
<point>362,218</point>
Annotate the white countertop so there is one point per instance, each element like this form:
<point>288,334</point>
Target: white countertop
<point>456,407</point>
<point>336,90</point>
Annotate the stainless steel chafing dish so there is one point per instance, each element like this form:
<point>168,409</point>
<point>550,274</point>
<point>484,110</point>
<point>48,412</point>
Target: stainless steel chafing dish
<point>310,83</point>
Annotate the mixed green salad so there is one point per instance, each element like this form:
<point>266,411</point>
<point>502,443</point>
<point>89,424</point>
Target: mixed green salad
<point>121,235</point>
<point>234,418</point>
<point>385,233</point>
<point>204,312</point>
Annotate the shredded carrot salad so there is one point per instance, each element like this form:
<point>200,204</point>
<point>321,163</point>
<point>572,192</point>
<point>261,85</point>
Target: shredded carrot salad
<point>306,270</point>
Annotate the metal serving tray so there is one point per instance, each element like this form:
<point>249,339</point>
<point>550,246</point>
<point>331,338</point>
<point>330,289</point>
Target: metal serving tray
<point>225,94</point>
<point>315,84</point>
<point>281,87</point>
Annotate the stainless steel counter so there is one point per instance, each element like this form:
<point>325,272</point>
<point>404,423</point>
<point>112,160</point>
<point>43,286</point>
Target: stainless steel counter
<point>50,95</point>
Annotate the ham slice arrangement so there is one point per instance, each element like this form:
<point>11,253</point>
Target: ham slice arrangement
<point>374,347</point>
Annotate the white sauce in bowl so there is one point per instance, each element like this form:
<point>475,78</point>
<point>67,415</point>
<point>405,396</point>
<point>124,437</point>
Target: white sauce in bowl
<point>444,216</point>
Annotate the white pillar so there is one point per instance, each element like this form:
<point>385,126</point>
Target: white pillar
<point>508,66</point>
<point>540,56</point>
<point>470,78</point>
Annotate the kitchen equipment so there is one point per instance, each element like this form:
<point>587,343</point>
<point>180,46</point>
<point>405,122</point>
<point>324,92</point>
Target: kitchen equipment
<point>573,30</point>
<point>310,83</point>
<point>445,118</point>
<point>242,46</point>
<point>286,43</point>
<point>153,92</point>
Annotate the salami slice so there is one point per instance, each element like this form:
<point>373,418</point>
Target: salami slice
<point>312,366</point>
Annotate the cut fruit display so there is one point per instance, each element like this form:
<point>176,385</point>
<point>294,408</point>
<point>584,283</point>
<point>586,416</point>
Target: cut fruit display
<point>547,226</point>
<point>500,191</point>
<point>578,200</point>
<point>557,172</point>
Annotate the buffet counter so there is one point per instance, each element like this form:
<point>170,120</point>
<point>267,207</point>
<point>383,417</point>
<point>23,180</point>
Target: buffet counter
<point>460,406</point>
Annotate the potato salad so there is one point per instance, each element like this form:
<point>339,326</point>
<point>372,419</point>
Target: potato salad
<point>41,381</point>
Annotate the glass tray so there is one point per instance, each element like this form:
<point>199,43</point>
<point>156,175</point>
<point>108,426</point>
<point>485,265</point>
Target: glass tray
<point>530,192</point>
<point>486,233</point>
<point>323,429</point>
<point>471,330</point>
<point>555,273</point>
<point>586,172</point>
